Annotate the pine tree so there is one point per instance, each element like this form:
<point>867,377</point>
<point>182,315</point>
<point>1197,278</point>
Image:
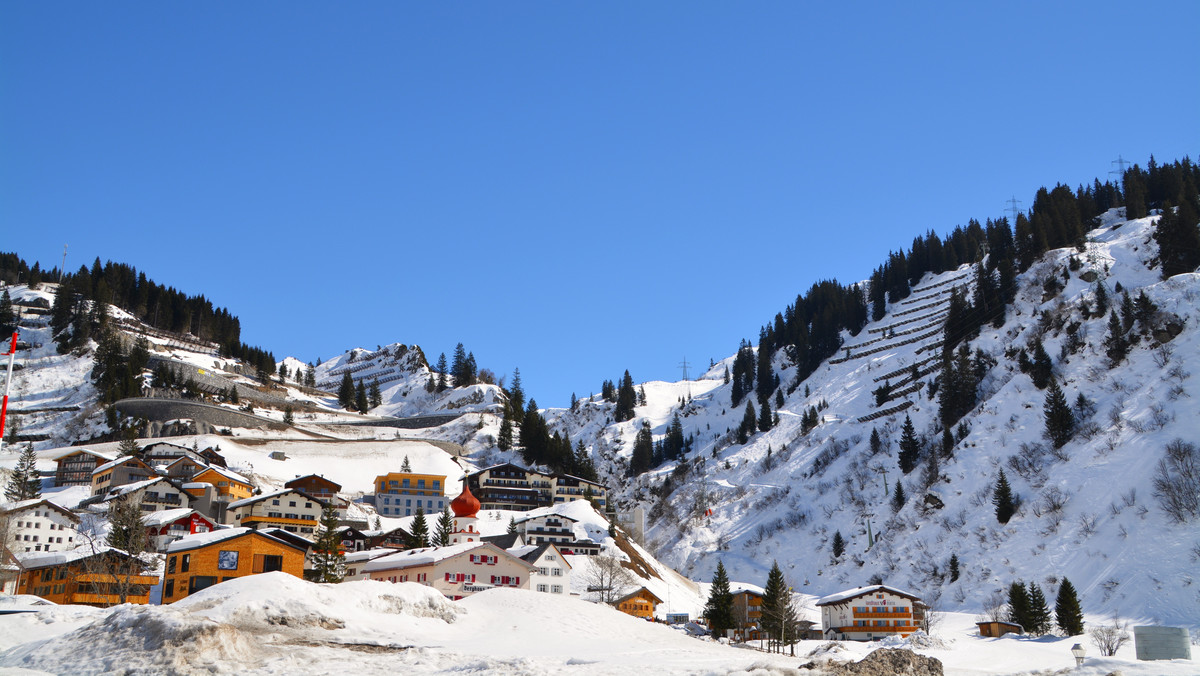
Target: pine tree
<point>441,370</point>
<point>876,442</point>
<point>839,544</point>
<point>778,615</point>
<point>718,610</point>
<point>954,572</point>
<point>1178,237</point>
<point>910,447</point>
<point>1068,614</point>
<point>504,441</point>
<point>1115,345</point>
<point>329,561</point>
<point>898,497</point>
<point>1060,422</point>
<point>24,483</point>
<point>626,399</point>
<point>764,418</point>
<point>129,445</point>
<point>1003,499</point>
<point>516,394</point>
<point>8,319</point>
<point>749,423</point>
<point>443,528</point>
<point>643,450</point>
<point>127,526</point>
<point>374,394</point>
<point>1039,612</point>
<point>512,525</point>
<point>405,466</point>
<point>419,530</point>
<point>346,391</point>
<point>1042,369</point>
<point>1019,606</point>
<point>933,471</point>
<point>360,398</point>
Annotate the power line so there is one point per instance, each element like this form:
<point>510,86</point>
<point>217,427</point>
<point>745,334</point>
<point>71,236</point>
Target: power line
<point>1013,207</point>
<point>1120,170</point>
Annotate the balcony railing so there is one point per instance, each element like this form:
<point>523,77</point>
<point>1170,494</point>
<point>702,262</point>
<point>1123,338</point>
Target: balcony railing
<point>881,616</point>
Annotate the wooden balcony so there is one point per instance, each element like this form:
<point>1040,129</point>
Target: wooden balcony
<point>107,599</point>
<point>877,630</point>
<point>881,616</point>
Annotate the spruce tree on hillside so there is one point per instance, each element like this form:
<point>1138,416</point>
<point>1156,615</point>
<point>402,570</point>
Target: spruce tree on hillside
<point>876,442</point>
<point>643,450</point>
<point>405,466</point>
<point>954,572</point>
<point>626,399</point>
<point>1042,369</point>
<point>374,394</point>
<point>24,483</point>
<point>898,497</point>
<point>1178,237</point>
<point>1115,344</point>
<point>1068,614</point>
<point>419,530</point>
<point>764,418</point>
<point>839,544</point>
<point>718,610</point>
<point>778,615</point>
<point>1060,421</point>
<point>749,423</point>
<point>1003,500</point>
<point>1018,605</point>
<point>8,318</point>
<point>442,383</point>
<point>504,440</point>
<point>516,394</point>
<point>1039,612</point>
<point>910,447</point>
<point>346,391</point>
<point>360,398</point>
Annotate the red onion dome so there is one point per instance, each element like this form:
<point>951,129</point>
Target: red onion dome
<point>465,505</point>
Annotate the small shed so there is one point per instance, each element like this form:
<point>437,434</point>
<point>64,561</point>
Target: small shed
<point>998,628</point>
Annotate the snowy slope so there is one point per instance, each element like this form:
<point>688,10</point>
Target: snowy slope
<point>784,494</point>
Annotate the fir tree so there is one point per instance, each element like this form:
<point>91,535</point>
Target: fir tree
<point>441,371</point>
<point>1003,499</point>
<point>1178,237</point>
<point>405,466</point>
<point>329,561</point>
<point>1019,605</point>
<point>504,441</point>
<point>374,394</point>
<point>1115,345</point>
<point>1144,309</point>
<point>898,497</point>
<point>933,471</point>
<point>778,615</point>
<point>626,399</point>
<point>764,418</point>
<point>516,394</point>
<point>910,447</point>
<point>718,610</point>
<point>419,530</point>
<point>8,319</point>
<point>289,415</point>
<point>24,483</point>
<point>360,398</point>
<point>839,544</point>
<point>346,391</point>
<point>1060,422</point>
<point>749,423</point>
<point>1068,614</point>
<point>129,445</point>
<point>127,526</point>
<point>876,442</point>
<point>954,572</point>
<point>443,528</point>
<point>512,525</point>
<point>1042,368</point>
<point>1039,612</point>
<point>643,450</point>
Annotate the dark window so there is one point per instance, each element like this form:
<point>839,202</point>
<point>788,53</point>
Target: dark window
<point>170,590</point>
<point>185,564</point>
<point>198,582</point>
<point>171,565</point>
<point>272,563</point>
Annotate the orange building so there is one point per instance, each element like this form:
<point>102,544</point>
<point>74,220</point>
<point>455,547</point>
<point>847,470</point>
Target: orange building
<point>403,493</point>
<point>641,603</point>
<point>200,561</point>
<point>83,577</point>
<point>230,485</point>
<point>747,614</point>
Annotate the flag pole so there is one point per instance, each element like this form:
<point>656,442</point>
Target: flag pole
<point>12,352</point>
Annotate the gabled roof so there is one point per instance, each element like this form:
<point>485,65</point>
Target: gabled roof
<point>118,491</point>
<point>105,457</point>
<point>317,477</point>
<point>30,504</point>
<point>228,474</point>
<point>425,556</point>
<point>505,541</point>
<point>236,504</point>
<point>638,592</point>
<point>198,540</point>
<point>120,461</point>
<point>864,591</point>
<point>545,512</point>
<point>166,516</point>
<point>185,458</point>
<point>531,554</point>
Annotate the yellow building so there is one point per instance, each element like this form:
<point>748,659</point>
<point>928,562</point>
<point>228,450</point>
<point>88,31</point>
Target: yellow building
<point>641,603</point>
<point>200,561</point>
<point>230,485</point>
<point>402,493</point>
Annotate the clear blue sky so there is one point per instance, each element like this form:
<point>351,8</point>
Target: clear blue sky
<point>570,188</point>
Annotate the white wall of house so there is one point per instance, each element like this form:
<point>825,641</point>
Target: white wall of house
<point>40,528</point>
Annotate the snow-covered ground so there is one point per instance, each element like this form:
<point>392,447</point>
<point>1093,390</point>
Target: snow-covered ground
<point>278,624</point>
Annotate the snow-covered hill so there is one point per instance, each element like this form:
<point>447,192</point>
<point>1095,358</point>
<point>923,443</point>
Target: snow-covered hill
<point>1088,510</point>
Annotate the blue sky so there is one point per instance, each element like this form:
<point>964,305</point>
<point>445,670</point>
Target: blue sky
<point>573,189</point>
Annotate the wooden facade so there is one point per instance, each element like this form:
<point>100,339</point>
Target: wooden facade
<point>75,468</point>
<point>85,579</point>
<point>870,613</point>
<point>997,628</point>
<point>200,561</point>
<point>230,486</point>
<point>315,485</point>
<point>641,603</point>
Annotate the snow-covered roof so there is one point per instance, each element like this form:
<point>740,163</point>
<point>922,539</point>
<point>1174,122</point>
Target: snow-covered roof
<point>30,560</point>
<point>273,494</point>
<point>863,591</point>
<point>531,553</point>
<point>29,504</point>
<point>430,555</point>
<point>118,491</point>
<point>196,540</point>
<point>166,516</point>
<point>104,456</point>
<point>119,461</point>
<point>228,474</point>
<point>367,555</point>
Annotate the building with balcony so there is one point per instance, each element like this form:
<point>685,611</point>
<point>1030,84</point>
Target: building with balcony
<point>200,561</point>
<point>82,576</point>
<point>512,487</point>
<point>315,485</point>
<point>870,613</point>
<point>641,603</point>
<point>75,468</point>
<point>288,509</point>
<point>230,485</point>
<point>124,470</point>
<point>167,526</point>
<point>402,493</point>
<point>152,494</point>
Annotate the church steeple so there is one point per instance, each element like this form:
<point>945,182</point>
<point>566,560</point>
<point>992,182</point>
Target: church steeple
<point>465,507</point>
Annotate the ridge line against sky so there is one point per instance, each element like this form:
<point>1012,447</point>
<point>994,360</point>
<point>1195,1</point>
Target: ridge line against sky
<point>573,190</point>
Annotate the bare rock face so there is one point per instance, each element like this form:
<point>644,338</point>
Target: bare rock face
<point>886,662</point>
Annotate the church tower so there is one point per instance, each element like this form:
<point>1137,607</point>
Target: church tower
<point>465,507</point>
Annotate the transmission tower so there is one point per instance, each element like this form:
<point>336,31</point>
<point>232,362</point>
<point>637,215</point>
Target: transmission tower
<point>1120,170</point>
<point>62,270</point>
<point>1012,206</point>
<point>684,365</point>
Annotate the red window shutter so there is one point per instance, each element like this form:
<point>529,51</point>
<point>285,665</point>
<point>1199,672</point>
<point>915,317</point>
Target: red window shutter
<point>447,577</point>
<point>517,581</point>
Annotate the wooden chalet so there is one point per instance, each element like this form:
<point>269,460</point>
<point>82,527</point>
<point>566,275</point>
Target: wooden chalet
<point>640,603</point>
<point>82,576</point>
<point>75,467</point>
<point>200,561</point>
<point>315,485</point>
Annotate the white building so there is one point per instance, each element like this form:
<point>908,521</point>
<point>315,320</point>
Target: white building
<point>870,613</point>
<point>39,525</point>
<point>152,494</point>
<point>551,573</point>
<point>456,571</point>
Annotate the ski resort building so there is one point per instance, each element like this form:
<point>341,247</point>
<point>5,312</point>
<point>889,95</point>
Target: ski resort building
<point>287,509</point>
<point>85,577</point>
<point>512,487</point>
<point>230,485</point>
<point>165,527</point>
<point>199,561</point>
<point>870,613</point>
<point>456,571</point>
<point>39,526</point>
<point>125,470</point>
<point>402,493</point>
<point>75,468</point>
